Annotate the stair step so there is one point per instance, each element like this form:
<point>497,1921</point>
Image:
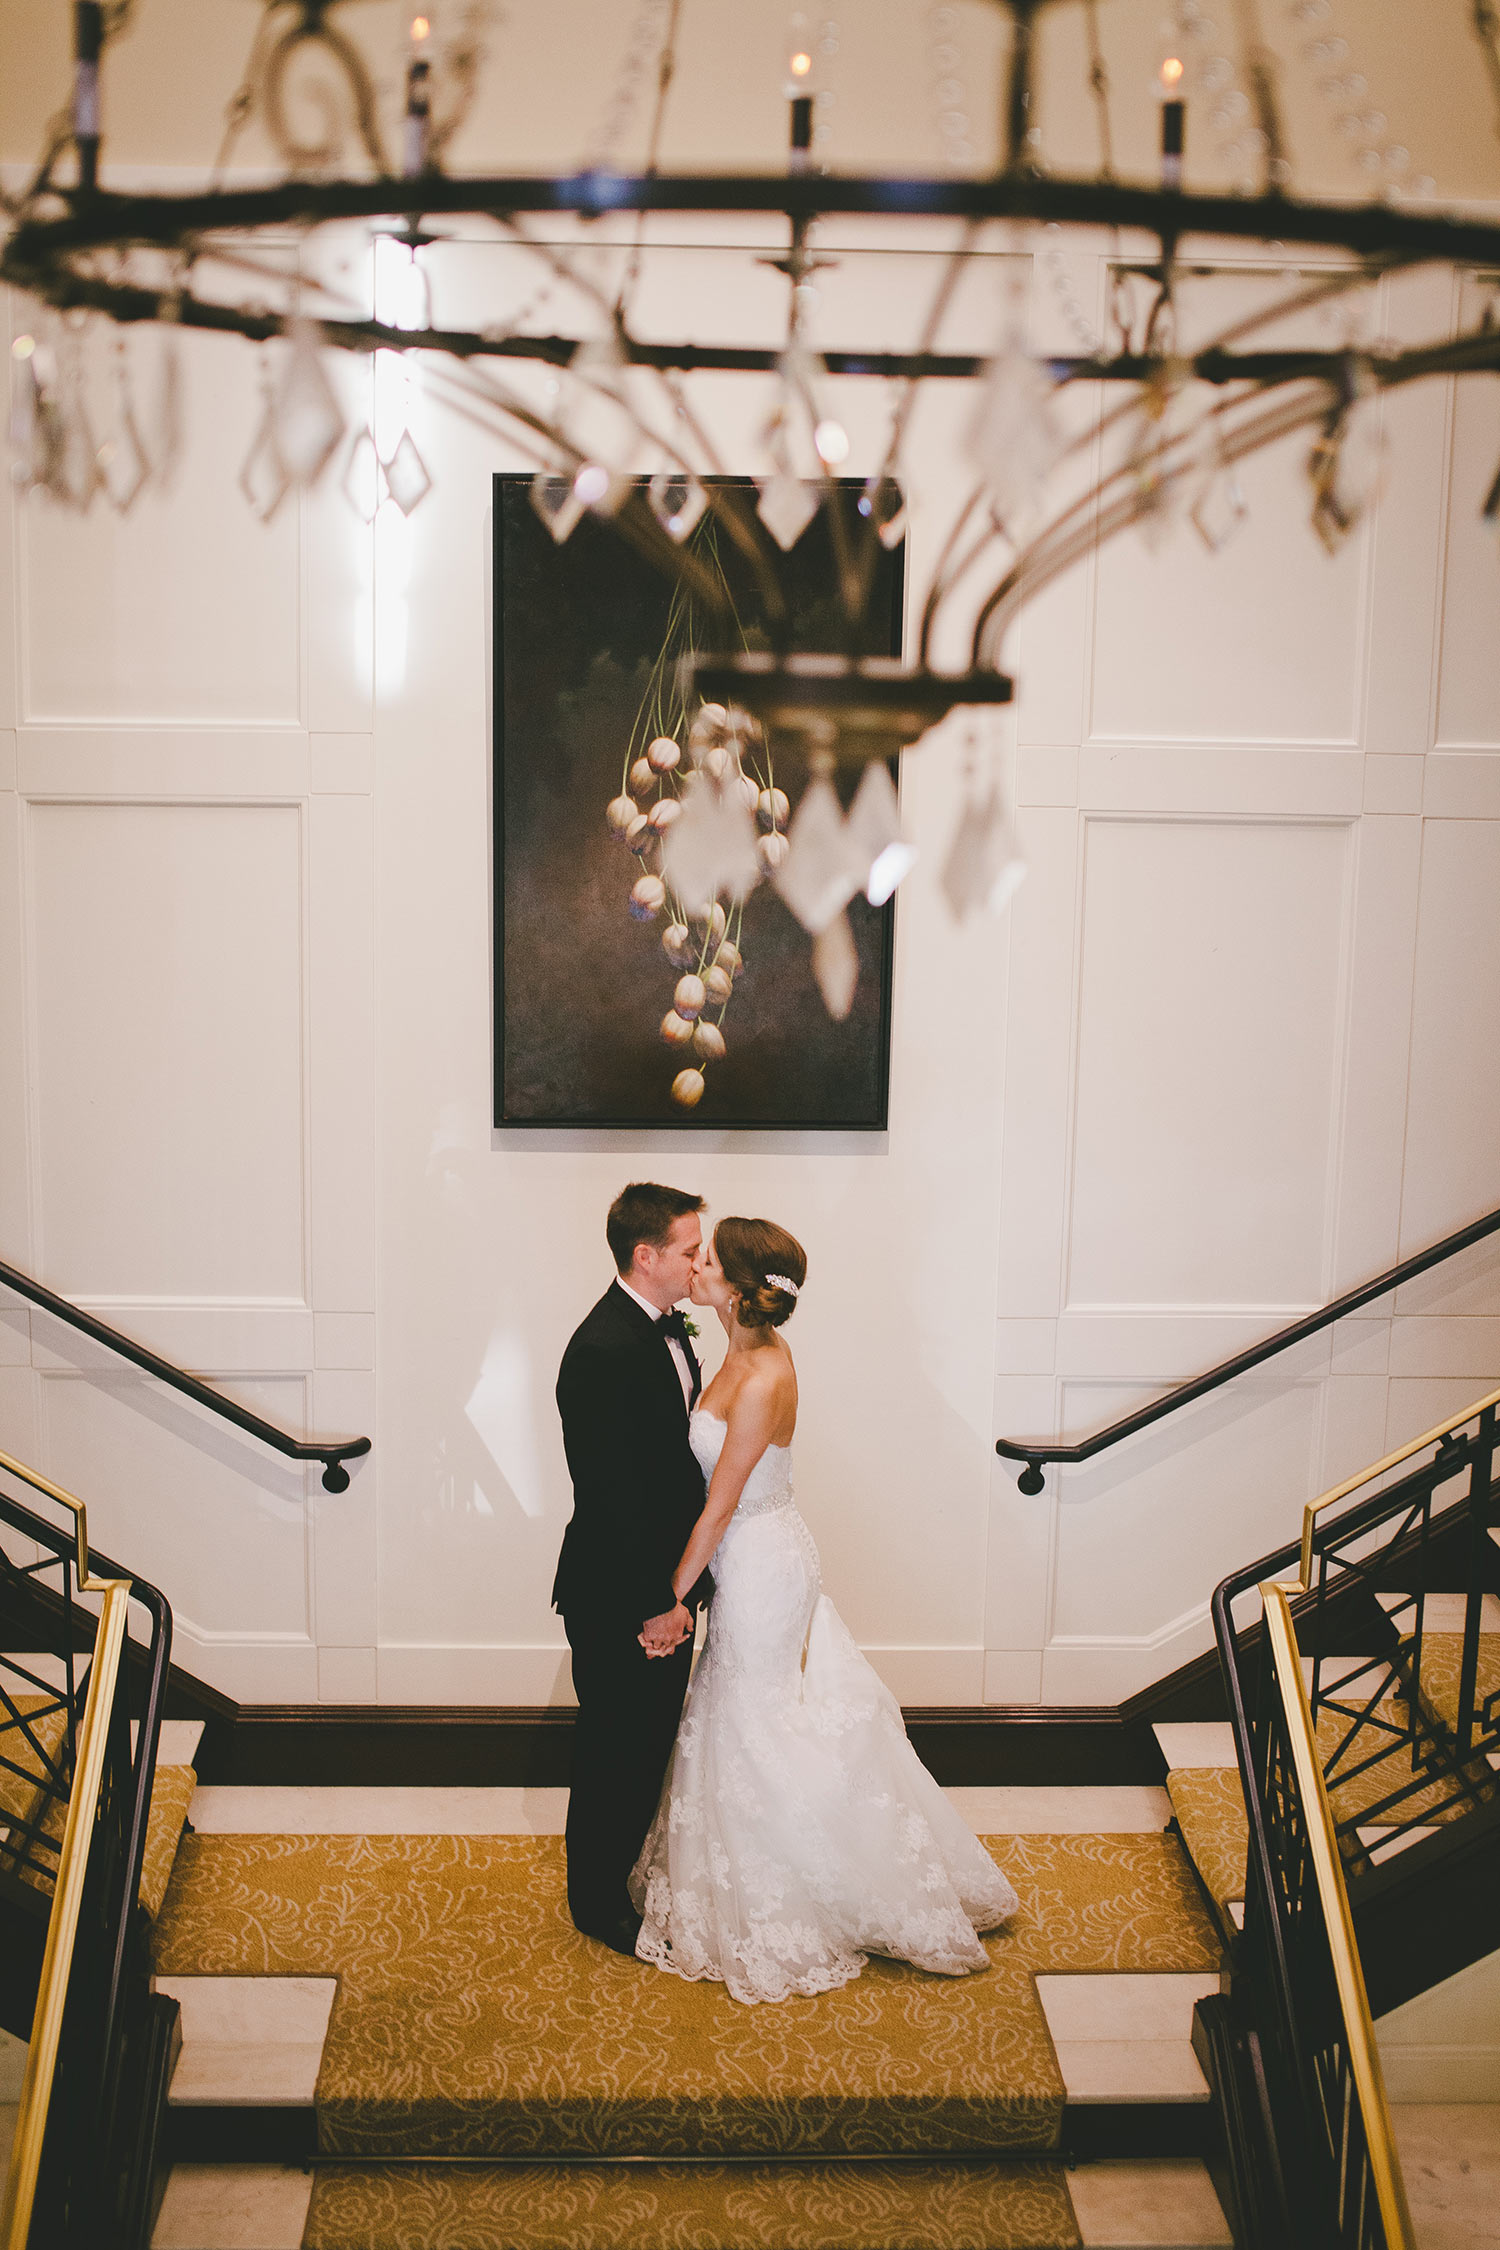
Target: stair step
<point>1196,1744</point>
<point>1021,2205</point>
<point>1126,2039</point>
<point>1132,2203</point>
<point>1444,1613</point>
<point>249,2042</point>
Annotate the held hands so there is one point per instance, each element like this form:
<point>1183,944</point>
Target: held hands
<point>660,1635</point>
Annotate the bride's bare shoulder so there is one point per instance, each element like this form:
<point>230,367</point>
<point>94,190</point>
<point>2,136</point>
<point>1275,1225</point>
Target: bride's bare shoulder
<point>768,1387</point>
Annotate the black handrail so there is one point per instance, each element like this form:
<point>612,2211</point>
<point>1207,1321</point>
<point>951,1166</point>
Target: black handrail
<point>1031,1479</point>
<point>331,1452</point>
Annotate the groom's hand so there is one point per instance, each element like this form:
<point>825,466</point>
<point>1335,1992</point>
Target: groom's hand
<point>660,1635</point>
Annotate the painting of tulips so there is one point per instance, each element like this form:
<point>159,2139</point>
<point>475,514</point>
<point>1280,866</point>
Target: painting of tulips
<point>648,969</point>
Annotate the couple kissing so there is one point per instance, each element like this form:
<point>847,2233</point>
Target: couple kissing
<point>769,1825</point>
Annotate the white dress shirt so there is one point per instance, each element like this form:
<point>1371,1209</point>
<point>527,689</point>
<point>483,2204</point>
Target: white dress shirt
<point>679,1356</point>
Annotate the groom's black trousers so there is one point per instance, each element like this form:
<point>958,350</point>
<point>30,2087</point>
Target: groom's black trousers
<point>628,1708</point>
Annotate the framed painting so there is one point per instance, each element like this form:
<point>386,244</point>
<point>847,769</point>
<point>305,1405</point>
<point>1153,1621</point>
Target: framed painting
<point>587,637</point>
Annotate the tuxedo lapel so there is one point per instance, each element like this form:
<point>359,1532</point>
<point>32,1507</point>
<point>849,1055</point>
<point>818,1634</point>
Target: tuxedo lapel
<point>649,1331</point>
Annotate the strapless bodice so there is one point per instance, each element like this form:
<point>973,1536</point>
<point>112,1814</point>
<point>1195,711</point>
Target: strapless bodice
<point>769,1484</point>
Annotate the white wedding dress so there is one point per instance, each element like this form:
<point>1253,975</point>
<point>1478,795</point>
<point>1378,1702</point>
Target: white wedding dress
<point>798,1830</point>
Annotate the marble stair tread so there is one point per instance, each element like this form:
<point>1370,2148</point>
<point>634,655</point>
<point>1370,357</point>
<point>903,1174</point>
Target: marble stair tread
<point>1156,2004</point>
<point>1131,1809</point>
<point>1366,1673</point>
<point>1381,1844</point>
<point>225,1810</point>
<point>1197,1742</point>
<point>1130,2070</point>
<point>1444,1613</point>
<point>228,1810</point>
<point>234,2207</point>
<point>1126,2037</point>
<point>249,2042</point>
<point>177,1740</point>
<point>29,1666</point>
<point>1147,2203</point>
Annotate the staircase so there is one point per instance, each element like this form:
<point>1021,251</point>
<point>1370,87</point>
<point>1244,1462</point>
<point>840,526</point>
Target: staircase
<point>382,2029</point>
<point>414,2011</point>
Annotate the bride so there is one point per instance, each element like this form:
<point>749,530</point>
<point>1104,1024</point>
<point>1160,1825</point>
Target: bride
<point>798,1831</point>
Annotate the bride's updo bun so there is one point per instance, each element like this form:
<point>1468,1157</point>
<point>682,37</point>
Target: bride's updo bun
<point>765,1265</point>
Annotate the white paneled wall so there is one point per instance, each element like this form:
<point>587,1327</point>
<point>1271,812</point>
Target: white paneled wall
<point>1232,1053</point>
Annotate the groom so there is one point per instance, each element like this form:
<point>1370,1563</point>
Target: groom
<point>625,1389</point>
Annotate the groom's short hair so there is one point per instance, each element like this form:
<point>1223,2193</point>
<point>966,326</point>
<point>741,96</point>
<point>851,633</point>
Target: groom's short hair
<point>644,1212</point>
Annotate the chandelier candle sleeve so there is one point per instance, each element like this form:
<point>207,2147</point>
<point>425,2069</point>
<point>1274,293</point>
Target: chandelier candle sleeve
<point>1173,121</point>
<point>417,125</point>
<point>88,44</point>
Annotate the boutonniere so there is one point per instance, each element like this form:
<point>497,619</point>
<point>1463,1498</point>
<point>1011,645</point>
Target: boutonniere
<point>690,1325</point>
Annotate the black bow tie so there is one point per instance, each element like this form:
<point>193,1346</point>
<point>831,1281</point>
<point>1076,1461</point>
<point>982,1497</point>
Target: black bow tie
<point>675,1324</point>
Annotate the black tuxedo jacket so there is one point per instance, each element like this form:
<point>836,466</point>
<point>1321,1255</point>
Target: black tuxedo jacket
<point>637,1490</point>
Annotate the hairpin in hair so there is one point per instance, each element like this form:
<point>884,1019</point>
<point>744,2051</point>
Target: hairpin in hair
<point>781,1281</point>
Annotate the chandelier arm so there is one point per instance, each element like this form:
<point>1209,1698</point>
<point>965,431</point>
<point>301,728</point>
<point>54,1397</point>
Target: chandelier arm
<point>666,70</point>
<point>67,289</point>
<point>1036,567</point>
<point>1260,66</point>
<point>1486,25</point>
<point>723,505</point>
<point>1099,88</point>
<point>1047,557</point>
<point>240,107</point>
<point>633,519</point>
<point>314,31</point>
<point>162,221</point>
<point>926,344</point>
<point>952,569</point>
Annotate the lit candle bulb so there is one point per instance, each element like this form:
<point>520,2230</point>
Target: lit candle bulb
<point>414,141</point>
<point>799,95</point>
<point>1173,120</point>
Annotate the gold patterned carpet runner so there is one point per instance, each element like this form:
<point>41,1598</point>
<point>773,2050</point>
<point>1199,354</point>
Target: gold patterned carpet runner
<point>471,2020</point>
<point>1018,2206</point>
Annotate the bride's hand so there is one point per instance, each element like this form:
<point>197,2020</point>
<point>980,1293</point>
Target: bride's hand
<point>660,1635</point>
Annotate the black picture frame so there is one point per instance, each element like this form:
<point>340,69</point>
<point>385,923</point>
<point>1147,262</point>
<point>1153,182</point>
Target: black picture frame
<point>579,988</point>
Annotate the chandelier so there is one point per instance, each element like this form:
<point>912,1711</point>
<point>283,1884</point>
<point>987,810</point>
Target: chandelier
<point>622,434</point>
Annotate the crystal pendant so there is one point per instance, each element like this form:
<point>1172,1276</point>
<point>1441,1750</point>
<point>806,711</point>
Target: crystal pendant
<point>835,965</point>
<point>820,873</point>
<point>1014,436</point>
<point>709,852</point>
<point>1346,468</point>
<point>555,501</point>
<point>263,477</point>
<point>1220,509</point>
<point>676,500</point>
<point>360,482</point>
<point>74,471</point>
<point>35,430</point>
<point>124,469</point>
<point>407,476</point>
<point>885,503</point>
<point>787,506</point>
<point>164,411</point>
<point>307,422</point>
<point>600,424</point>
<point>984,867</point>
<point>874,831</point>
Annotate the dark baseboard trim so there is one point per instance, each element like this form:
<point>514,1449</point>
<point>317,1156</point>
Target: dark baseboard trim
<point>276,2134</point>
<point>467,1747</point>
<point>255,2135</point>
<point>1092,2129</point>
